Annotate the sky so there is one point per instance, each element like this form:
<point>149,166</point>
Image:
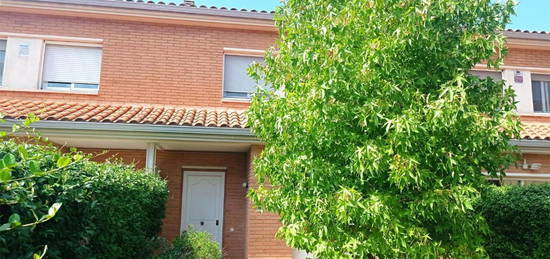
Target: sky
<point>531,14</point>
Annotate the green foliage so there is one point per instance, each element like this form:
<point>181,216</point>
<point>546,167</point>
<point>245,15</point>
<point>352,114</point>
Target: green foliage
<point>376,136</point>
<point>519,220</point>
<point>109,210</point>
<point>193,245</point>
<point>16,190</point>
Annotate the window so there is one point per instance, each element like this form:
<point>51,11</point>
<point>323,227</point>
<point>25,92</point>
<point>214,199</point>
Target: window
<point>497,76</point>
<point>541,93</point>
<point>2,58</point>
<point>71,68</point>
<point>236,82</point>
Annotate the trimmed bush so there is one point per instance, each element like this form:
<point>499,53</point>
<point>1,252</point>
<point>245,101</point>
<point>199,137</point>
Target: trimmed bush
<point>109,210</point>
<point>193,245</point>
<point>519,219</point>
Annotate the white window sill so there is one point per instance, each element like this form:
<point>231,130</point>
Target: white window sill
<point>235,100</point>
<point>49,91</point>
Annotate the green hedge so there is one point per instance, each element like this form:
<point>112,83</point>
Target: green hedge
<point>519,219</point>
<point>109,210</point>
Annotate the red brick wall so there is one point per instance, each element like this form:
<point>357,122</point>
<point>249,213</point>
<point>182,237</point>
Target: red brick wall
<point>262,227</point>
<point>171,165</point>
<point>145,62</point>
<point>127,156</point>
<point>542,159</point>
<point>528,58</point>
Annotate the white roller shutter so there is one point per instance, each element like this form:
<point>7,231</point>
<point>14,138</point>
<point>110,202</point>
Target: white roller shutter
<point>72,64</point>
<point>237,83</point>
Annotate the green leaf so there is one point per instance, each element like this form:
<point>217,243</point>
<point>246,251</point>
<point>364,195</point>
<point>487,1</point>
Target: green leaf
<point>34,167</point>
<point>31,118</point>
<point>78,157</point>
<point>23,152</point>
<point>9,160</point>
<point>63,161</point>
<point>14,220</point>
<point>5,227</point>
<point>54,208</point>
<point>5,174</point>
<point>15,127</point>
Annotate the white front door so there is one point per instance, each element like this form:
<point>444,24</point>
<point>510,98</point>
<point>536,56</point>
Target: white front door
<point>203,194</point>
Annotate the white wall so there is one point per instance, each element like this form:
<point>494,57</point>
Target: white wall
<point>298,254</point>
<point>22,68</point>
<point>524,95</point>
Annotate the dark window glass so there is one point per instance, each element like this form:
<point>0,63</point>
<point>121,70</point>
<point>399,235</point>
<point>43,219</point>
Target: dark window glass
<point>537,96</point>
<point>2,58</point>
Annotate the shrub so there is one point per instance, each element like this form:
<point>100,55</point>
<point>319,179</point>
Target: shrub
<point>193,245</point>
<point>519,219</point>
<point>109,210</point>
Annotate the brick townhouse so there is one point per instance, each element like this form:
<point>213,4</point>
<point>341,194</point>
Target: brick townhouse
<point>164,86</point>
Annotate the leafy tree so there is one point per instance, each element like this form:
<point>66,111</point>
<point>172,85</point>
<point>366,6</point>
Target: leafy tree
<point>375,135</point>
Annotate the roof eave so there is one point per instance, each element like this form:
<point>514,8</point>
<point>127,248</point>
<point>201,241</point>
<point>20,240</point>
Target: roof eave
<point>120,10</point>
<point>527,40</point>
<point>139,131</point>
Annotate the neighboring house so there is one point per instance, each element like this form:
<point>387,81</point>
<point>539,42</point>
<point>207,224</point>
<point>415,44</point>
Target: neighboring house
<point>164,86</point>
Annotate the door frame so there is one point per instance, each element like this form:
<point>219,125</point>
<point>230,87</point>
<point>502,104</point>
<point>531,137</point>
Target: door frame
<point>187,173</point>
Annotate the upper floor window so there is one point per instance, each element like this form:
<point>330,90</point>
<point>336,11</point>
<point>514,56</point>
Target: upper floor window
<point>2,58</point>
<point>236,82</point>
<point>541,93</point>
<point>72,68</point>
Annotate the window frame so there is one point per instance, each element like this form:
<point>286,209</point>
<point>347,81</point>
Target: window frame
<point>4,67</point>
<point>71,89</point>
<point>237,52</point>
<point>543,79</point>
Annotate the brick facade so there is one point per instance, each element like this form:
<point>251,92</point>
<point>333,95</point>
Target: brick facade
<point>171,165</point>
<point>528,58</point>
<point>262,226</point>
<point>168,64</point>
<point>146,63</point>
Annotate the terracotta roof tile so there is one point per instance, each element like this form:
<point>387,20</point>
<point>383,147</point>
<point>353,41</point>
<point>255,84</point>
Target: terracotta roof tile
<point>117,113</point>
<point>161,115</point>
<point>527,31</point>
<point>536,131</point>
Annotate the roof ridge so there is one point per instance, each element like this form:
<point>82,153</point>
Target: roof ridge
<point>528,31</point>
<point>193,5</point>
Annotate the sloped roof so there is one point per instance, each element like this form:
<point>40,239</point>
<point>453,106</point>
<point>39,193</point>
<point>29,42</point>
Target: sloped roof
<point>159,5</point>
<point>162,115</point>
<point>536,131</point>
<point>527,34</point>
<point>121,113</point>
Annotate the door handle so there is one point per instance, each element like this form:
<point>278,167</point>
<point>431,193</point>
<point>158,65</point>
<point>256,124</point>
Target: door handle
<point>202,223</point>
<point>217,222</point>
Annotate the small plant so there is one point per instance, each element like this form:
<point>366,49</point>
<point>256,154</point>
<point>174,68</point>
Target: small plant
<point>193,245</point>
<point>519,220</point>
